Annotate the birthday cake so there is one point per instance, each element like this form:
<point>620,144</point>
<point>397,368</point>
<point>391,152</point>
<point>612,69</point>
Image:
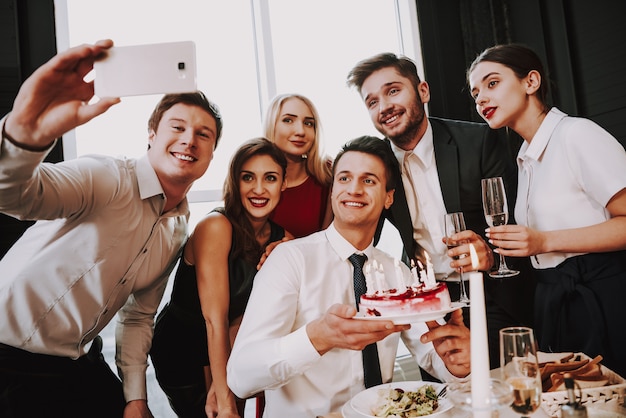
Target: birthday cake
<point>419,294</point>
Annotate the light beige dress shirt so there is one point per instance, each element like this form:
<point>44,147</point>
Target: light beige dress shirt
<point>100,245</point>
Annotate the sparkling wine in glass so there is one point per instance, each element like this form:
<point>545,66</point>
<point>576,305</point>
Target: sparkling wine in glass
<point>453,223</point>
<point>520,368</point>
<point>496,214</point>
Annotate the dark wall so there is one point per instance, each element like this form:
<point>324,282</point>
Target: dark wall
<point>581,43</point>
<point>27,40</point>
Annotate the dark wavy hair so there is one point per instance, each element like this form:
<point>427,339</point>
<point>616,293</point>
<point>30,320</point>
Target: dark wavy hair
<point>521,60</point>
<point>245,244</point>
<point>378,148</point>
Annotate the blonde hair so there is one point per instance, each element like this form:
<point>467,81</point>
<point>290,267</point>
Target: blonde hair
<point>318,164</point>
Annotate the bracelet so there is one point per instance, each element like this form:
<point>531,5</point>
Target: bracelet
<point>12,140</point>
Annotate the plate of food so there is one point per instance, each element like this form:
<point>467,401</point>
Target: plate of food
<point>412,317</point>
<point>400,399</point>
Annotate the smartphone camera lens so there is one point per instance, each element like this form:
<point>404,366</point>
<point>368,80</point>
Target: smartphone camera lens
<point>181,65</point>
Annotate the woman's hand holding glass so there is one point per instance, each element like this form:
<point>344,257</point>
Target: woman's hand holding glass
<point>496,213</point>
<point>519,240</point>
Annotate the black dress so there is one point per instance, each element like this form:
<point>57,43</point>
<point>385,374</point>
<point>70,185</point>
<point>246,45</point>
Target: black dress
<point>179,346</point>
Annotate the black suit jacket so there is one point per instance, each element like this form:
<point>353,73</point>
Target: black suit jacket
<point>465,153</point>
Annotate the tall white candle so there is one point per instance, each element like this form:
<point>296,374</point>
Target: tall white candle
<point>479,345</point>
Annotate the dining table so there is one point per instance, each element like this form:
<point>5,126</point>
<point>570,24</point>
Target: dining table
<point>347,411</point>
<point>612,409</point>
<point>608,408</point>
<point>455,412</point>
<point>592,412</point>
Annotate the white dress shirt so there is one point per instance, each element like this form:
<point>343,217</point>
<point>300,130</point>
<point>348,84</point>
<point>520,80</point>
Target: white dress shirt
<point>100,245</point>
<point>297,284</point>
<point>567,175</point>
<point>425,199</point>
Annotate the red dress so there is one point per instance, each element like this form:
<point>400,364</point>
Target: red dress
<point>302,208</point>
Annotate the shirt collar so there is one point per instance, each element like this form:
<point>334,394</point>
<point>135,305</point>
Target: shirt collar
<point>424,150</point>
<point>538,144</point>
<point>342,247</point>
<point>147,179</point>
<point>150,186</point>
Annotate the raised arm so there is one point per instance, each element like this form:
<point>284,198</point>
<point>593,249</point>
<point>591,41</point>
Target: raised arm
<point>54,99</point>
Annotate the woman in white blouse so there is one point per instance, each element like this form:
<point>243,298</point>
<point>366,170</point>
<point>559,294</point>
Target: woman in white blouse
<point>570,208</point>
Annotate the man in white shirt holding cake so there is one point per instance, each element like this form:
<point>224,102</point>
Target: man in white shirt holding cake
<point>298,340</point>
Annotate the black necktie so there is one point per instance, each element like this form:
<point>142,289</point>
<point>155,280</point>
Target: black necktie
<point>371,365</point>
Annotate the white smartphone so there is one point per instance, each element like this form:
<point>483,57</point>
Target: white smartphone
<point>146,69</point>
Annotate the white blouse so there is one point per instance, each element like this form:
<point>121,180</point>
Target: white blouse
<point>567,175</point>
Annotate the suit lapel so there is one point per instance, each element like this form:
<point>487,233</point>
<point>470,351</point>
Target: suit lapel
<point>401,217</point>
<point>447,158</point>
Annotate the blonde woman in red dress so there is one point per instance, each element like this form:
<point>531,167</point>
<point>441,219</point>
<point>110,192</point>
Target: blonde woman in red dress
<point>292,123</point>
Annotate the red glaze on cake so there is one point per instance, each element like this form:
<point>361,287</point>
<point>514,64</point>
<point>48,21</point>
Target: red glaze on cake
<point>414,300</point>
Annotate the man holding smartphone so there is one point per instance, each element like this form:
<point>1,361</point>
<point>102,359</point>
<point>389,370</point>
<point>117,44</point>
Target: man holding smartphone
<point>109,232</point>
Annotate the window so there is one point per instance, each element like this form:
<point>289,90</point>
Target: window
<point>247,51</point>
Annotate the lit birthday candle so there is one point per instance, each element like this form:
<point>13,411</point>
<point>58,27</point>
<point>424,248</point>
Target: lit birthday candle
<point>422,273</point>
<point>375,277</point>
<point>369,281</point>
<point>400,285</point>
<point>430,273</point>
<point>416,279</point>
<point>380,277</point>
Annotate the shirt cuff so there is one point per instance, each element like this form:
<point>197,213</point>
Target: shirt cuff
<point>298,351</point>
<point>134,383</point>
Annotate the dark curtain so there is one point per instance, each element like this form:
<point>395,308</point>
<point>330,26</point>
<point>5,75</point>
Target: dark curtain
<point>28,40</point>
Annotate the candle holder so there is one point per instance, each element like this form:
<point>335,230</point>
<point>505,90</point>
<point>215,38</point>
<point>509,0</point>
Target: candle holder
<point>500,396</point>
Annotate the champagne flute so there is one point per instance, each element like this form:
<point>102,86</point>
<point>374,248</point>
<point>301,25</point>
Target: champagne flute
<point>520,369</point>
<point>453,223</point>
<point>496,214</point>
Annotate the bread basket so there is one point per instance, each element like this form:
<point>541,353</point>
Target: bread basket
<point>609,397</point>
